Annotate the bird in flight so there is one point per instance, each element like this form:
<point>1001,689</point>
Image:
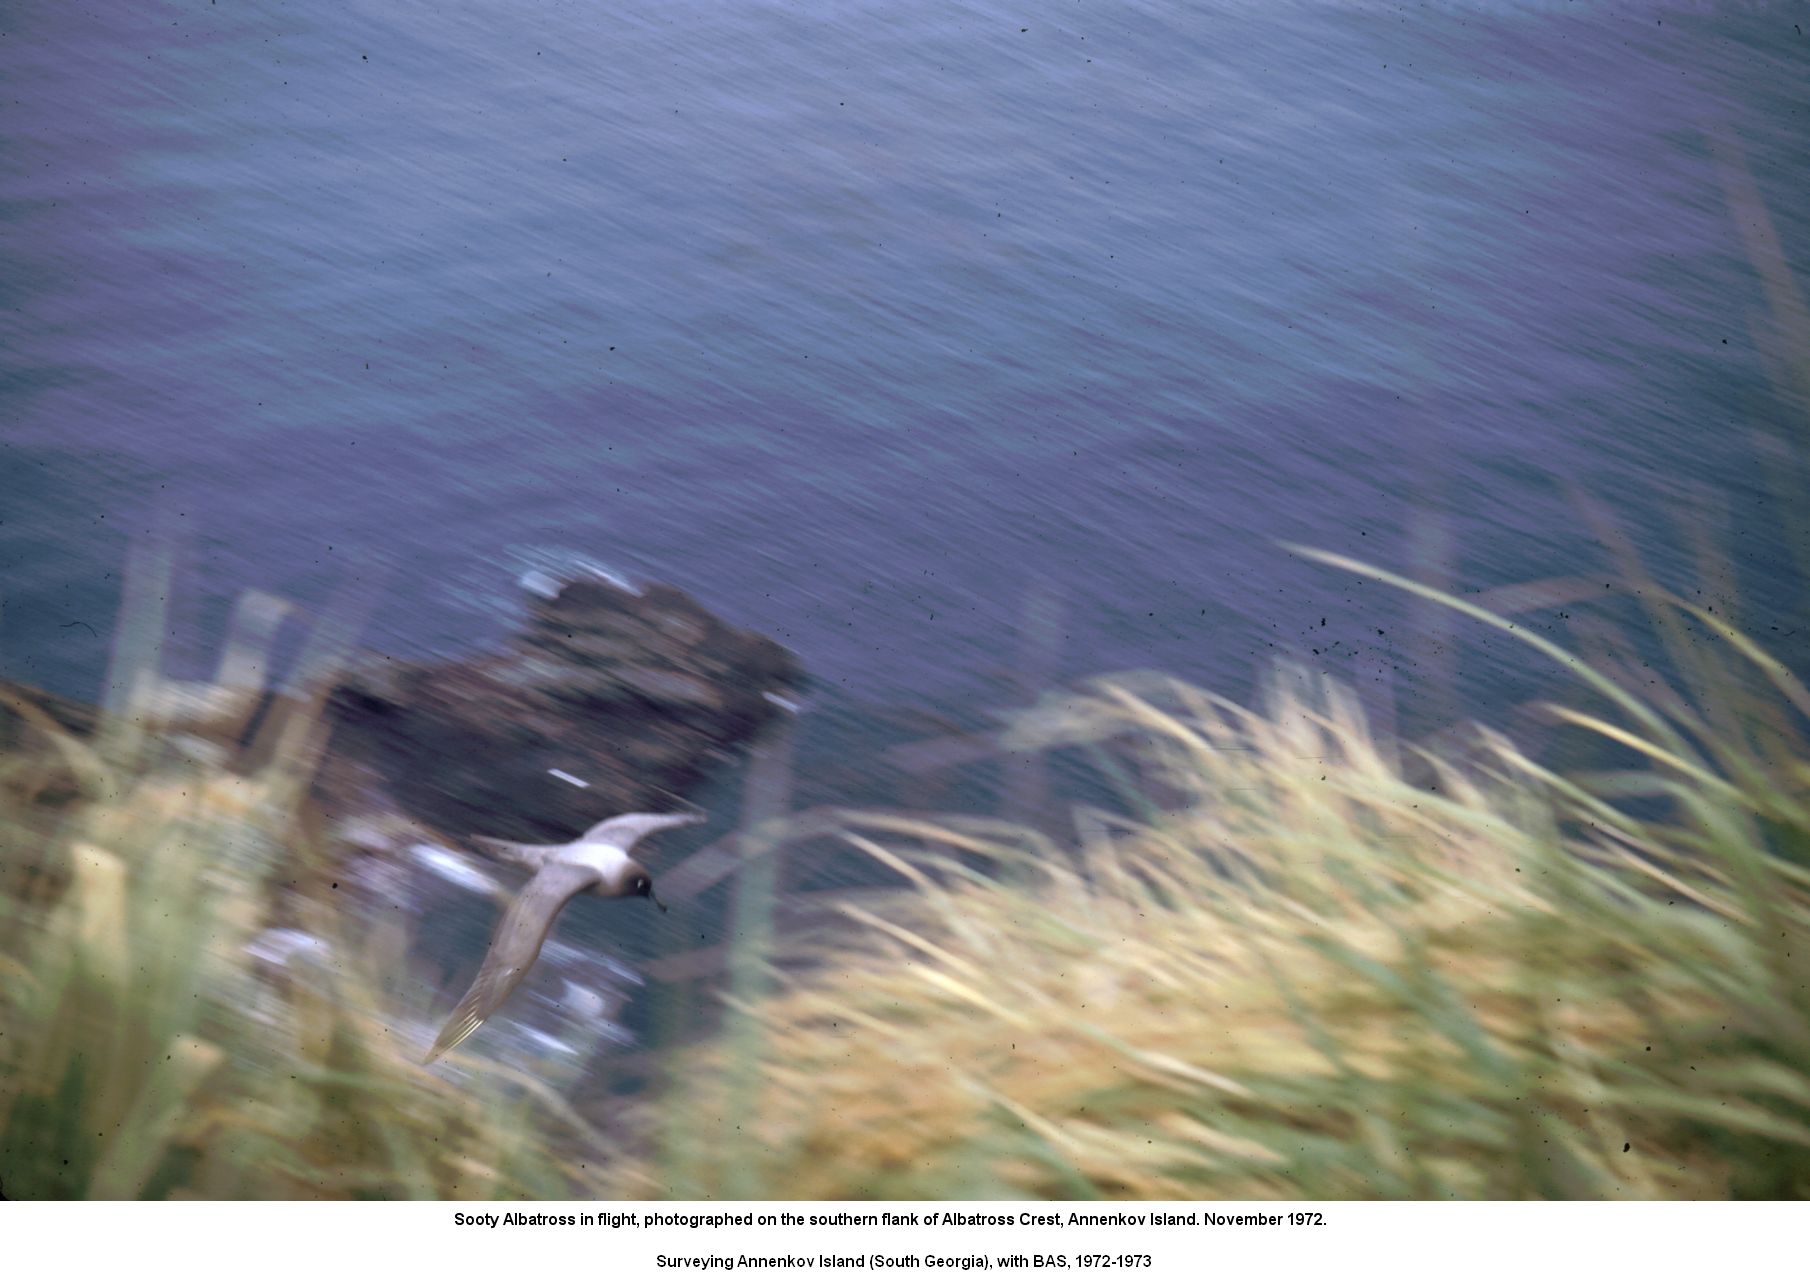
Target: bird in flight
<point>599,861</point>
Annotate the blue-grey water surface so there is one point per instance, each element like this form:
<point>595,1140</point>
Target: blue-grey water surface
<point>859,318</point>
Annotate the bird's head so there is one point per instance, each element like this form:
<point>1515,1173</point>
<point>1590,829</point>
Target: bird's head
<point>638,883</point>
<point>625,833</point>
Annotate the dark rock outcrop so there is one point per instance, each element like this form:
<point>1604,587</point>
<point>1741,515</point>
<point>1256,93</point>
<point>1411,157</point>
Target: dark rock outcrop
<point>610,700</point>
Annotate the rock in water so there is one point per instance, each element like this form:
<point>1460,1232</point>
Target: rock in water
<point>610,700</point>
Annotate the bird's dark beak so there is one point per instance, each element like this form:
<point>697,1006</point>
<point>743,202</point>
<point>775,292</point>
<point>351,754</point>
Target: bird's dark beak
<point>656,901</point>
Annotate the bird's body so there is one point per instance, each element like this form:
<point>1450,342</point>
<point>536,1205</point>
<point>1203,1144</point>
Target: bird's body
<point>598,861</point>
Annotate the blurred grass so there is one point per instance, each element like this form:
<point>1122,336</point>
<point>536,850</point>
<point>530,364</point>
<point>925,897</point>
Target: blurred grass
<point>1297,960</point>
<point>144,1051</point>
<point>1293,971</point>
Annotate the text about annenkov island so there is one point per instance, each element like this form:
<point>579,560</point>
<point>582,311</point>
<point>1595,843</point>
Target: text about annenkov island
<point>767,1219</point>
<point>730,1239</point>
<point>927,1237</point>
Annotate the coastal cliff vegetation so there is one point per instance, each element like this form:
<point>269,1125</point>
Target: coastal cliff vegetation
<point>1315,963</point>
<point>1289,958</point>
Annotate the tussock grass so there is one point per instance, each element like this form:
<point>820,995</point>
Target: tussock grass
<point>144,1051</point>
<point>1295,960</point>
<point>1297,972</point>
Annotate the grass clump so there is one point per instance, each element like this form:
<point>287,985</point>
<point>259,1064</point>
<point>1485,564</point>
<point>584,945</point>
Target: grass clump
<point>146,1051</point>
<point>1317,965</point>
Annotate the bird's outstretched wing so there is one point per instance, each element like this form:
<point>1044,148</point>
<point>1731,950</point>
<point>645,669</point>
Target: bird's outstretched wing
<point>513,950</point>
<point>626,831</point>
<point>532,856</point>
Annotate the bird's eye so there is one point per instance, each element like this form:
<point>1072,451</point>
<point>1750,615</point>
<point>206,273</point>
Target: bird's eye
<point>643,884</point>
